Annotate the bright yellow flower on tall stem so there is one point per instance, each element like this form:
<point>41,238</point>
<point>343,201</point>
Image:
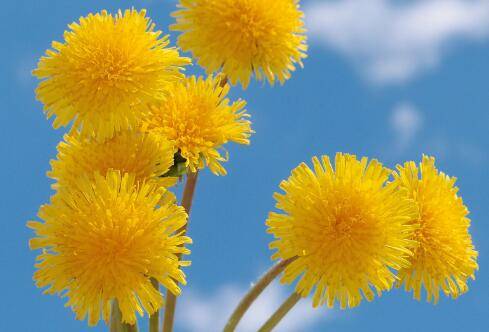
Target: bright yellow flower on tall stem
<point>346,227</point>
<point>103,239</point>
<point>199,119</point>
<point>107,69</point>
<point>446,257</point>
<point>243,38</point>
<point>146,156</point>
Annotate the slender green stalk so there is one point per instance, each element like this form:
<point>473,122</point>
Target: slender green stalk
<point>254,292</point>
<point>188,194</point>
<point>280,313</point>
<point>171,300</point>
<point>116,324</point>
<point>154,319</point>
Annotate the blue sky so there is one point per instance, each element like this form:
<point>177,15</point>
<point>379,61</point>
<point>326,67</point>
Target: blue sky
<point>385,79</point>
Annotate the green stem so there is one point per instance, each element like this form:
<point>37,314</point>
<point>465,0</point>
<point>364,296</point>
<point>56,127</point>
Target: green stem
<point>116,324</point>
<point>188,195</point>
<point>254,292</point>
<point>154,319</point>
<point>280,313</point>
<point>171,299</point>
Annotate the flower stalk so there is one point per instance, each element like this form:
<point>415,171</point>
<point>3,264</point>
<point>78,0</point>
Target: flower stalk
<point>116,324</point>
<point>254,292</point>
<point>154,319</point>
<point>187,199</point>
<point>280,313</point>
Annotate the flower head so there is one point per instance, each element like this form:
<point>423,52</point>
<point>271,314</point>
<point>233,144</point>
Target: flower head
<point>147,157</point>
<point>103,240</point>
<point>243,37</point>
<point>198,119</point>
<point>108,67</point>
<point>445,257</point>
<point>347,228</point>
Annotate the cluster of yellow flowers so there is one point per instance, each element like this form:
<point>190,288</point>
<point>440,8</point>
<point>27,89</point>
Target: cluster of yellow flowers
<point>112,224</point>
<point>113,229</point>
<point>348,227</point>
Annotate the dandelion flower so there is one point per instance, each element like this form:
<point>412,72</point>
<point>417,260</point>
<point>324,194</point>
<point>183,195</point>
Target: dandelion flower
<point>243,37</point>
<point>108,67</point>
<point>446,257</point>
<point>347,228</point>
<point>146,156</point>
<point>103,240</point>
<point>198,119</point>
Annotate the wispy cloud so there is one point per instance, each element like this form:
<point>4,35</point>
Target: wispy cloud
<point>392,41</point>
<point>445,147</point>
<point>209,312</point>
<point>406,121</point>
<point>23,71</point>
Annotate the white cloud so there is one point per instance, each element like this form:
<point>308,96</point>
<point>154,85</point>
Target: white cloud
<point>392,41</point>
<point>406,121</point>
<point>445,147</point>
<point>209,312</point>
<point>23,71</point>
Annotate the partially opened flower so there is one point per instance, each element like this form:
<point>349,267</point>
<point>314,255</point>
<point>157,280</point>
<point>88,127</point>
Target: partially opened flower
<point>108,67</point>
<point>446,257</point>
<point>346,227</point>
<point>147,157</point>
<point>103,240</point>
<point>243,37</point>
<point>199,119</point>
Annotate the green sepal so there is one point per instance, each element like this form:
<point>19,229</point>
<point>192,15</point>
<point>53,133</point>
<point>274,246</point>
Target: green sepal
<point>179,168</point>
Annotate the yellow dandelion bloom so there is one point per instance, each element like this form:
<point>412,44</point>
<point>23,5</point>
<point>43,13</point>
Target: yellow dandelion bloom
<point>446,257</point>
<point>198,119</point>
<point>103,240</point>
<point>346,227</point>
<point>108,67</point>
<point>243,37</point>
<point>146,156</point>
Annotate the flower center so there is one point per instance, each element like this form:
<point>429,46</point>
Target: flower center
<point>246,22</point>
<point>109,68</point>
<point>191,128</point>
